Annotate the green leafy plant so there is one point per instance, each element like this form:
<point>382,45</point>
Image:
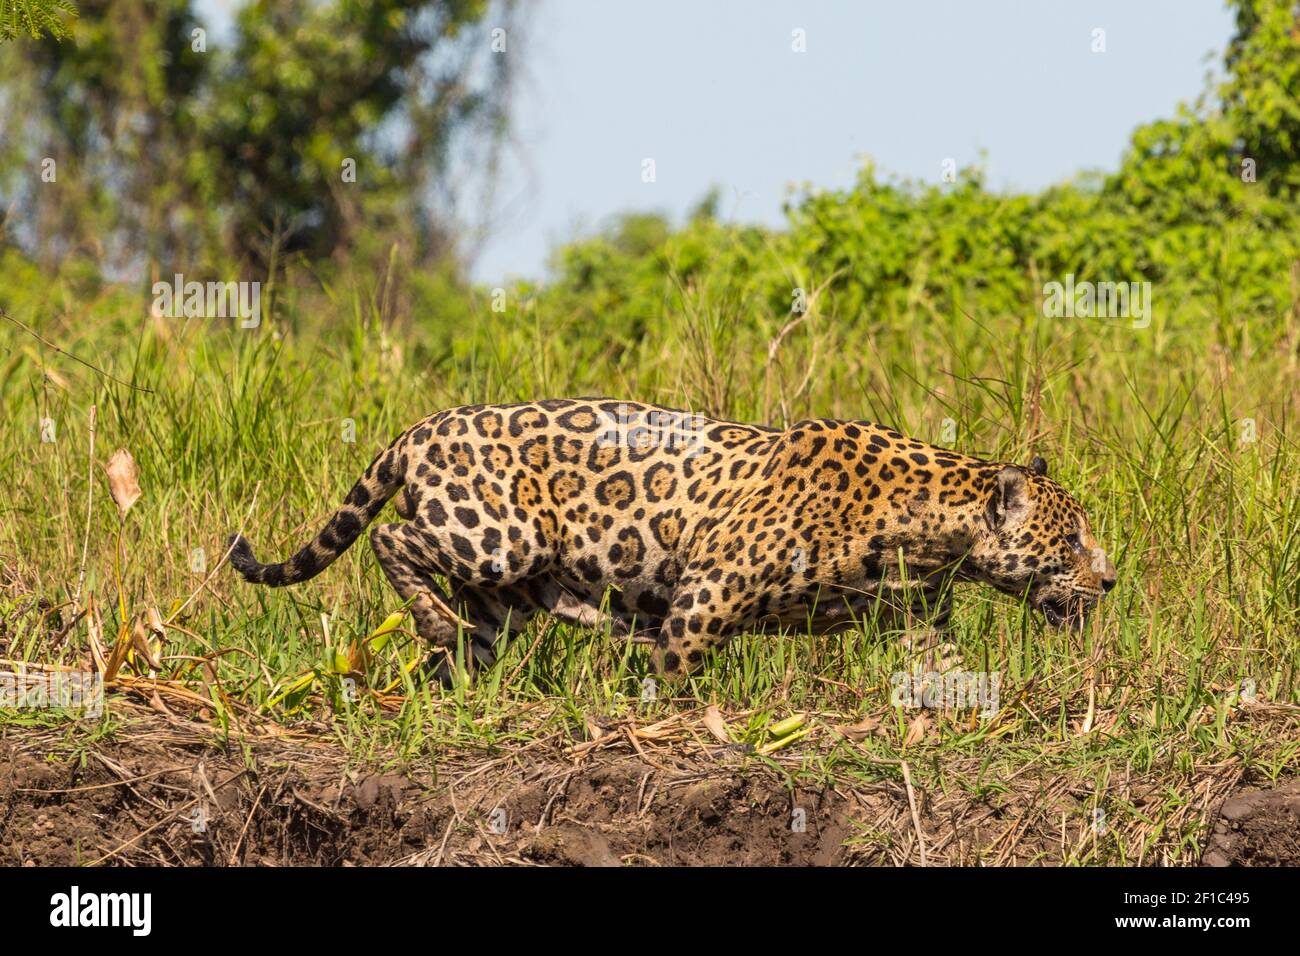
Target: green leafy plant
<point>36,18</point>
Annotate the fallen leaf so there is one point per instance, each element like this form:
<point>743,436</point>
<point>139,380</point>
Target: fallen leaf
<point>594,730</point>
<point>714,723</point>
<point>917,729</point>
<point>785,741</point>
<point>783,727</point>
<point>154,622</point>
<point>140,638</point>
<point>156,703</point>
<point>864,728</point>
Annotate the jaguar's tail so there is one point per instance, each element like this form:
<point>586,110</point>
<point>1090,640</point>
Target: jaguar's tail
<point>382,479</point>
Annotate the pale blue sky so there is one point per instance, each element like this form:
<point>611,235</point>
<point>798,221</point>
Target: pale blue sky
<point>713,92</point>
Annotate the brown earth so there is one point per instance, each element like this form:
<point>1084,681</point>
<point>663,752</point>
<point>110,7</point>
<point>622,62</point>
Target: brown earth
<point>1257,828</point>
<point>167,792</point>
<point>152,801</point>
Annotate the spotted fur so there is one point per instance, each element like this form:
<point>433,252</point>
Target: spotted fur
<point>683,531</point>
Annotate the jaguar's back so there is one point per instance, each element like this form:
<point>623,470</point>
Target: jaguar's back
<point>591,494</point>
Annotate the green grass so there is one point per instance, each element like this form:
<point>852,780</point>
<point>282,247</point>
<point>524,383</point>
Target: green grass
<point>1199,510</point>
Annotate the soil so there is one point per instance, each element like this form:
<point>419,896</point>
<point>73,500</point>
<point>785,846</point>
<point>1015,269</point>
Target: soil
<point>160,793</point>
<point>1257,828</point>
<point>154,802</point>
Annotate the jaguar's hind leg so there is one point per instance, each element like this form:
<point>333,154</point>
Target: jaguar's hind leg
<point>410,567</point>
<point>498,614</point>
<point>410,559</point>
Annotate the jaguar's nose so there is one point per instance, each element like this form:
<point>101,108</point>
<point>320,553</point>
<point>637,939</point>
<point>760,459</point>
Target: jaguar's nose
<point>1108,576</point>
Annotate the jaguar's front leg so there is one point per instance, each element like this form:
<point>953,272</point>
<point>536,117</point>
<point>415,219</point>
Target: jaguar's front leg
<point>699,622</point>
<point>926,639</point>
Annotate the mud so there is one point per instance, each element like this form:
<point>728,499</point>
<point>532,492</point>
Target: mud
<point>1257,828</point>
<point>166,796</point>
<point>162,805</point>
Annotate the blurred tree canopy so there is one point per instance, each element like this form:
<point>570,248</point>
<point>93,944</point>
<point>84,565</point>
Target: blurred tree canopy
<point>314,125</point>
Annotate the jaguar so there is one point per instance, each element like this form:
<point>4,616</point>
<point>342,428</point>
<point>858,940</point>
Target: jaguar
<point>680,531</point>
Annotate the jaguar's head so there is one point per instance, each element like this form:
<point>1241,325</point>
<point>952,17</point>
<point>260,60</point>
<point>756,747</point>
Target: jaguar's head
<point>1034,539</point>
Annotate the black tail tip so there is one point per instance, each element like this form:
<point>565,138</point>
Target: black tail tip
<point>241,556</point>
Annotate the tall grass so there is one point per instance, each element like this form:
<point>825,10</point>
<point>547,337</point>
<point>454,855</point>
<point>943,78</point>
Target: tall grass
<point>1181,446</point>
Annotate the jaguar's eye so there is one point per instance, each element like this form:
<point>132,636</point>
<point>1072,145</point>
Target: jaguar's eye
<point>1074,541</point>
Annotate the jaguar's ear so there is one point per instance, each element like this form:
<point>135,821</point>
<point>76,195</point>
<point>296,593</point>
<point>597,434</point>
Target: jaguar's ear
<point>1038,466</point>
<point>1008,502</point>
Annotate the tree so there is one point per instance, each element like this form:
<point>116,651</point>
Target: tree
<point>34,18</point>
<point>320,119</point>
<point>1261,97</point>
<point>1244,131</point>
